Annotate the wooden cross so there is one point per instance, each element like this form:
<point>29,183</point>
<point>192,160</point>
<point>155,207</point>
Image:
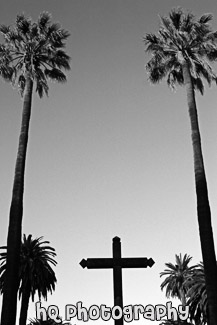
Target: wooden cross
<point>117,263</point>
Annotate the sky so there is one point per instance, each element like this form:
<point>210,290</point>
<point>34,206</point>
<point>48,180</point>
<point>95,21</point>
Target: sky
<point>108,154</point>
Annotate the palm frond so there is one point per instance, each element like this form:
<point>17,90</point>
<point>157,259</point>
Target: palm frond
<point>4,29</point>
<point>153,43</point>
<point>60,59</point>
<point>21,84</point>
<point>175,17</point>
<point>41,87</point>
<point>34,33</point>
<point>55,74</point>
<point>52,29</point>
<point>204,19</point>
<point>198,84</point>
<point>156,74</point>
<point>6,73</point>
<point>187,22</point>
<point>23,24</point>
<point>44,20</point>
<point>166,23</point>
<point>175,77</point>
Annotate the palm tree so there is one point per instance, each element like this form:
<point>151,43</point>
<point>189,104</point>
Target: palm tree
<point>197,296</point>
<point>31,54</point>
<point>35,272</point>
<point>181,52</point>
<point>175,282</point>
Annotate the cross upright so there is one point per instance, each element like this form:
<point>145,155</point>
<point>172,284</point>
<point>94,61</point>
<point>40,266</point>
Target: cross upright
<point>117,263</point>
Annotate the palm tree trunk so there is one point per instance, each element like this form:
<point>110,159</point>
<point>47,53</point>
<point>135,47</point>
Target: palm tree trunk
<point>24,304</point>
<point>203,208</point>
<point>183,297</point>
<point>9,304</point>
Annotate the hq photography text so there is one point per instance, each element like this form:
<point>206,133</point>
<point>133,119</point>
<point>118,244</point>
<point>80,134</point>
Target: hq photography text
<point>129,312</point>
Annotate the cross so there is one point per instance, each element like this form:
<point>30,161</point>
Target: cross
<point>117,263</point>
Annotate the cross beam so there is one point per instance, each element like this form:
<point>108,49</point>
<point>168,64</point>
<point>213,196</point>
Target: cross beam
<point>109,263</point>
<point>117,263</point>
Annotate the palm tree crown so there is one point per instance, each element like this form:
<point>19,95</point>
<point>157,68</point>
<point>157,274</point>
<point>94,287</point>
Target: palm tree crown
<point>35,268</point>
<point>176,275</point>
<point>35,271</point>
<point>34,50</point>
<point>182,37</point>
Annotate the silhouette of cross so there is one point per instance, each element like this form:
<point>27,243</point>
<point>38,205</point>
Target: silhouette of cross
<point>117,263</point>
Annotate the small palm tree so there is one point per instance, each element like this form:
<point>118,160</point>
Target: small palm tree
<point>32,53</point>
<point>176,275</point>
<point>181,52</point>
<point>197,296</point>
<point>35,272</point>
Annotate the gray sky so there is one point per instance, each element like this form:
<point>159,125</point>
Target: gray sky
<point>109,154</point>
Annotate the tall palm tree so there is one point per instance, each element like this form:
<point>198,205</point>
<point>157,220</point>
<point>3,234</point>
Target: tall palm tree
<point>35,271</point>
<point>197,296</point>
<point>175,281</point>
<point>32,53</point>
<point>181,52</point>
